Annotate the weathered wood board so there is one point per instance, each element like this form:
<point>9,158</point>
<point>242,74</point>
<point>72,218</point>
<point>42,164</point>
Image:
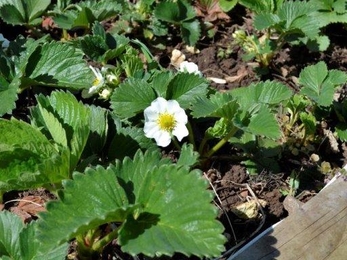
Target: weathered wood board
<point>316,231</point>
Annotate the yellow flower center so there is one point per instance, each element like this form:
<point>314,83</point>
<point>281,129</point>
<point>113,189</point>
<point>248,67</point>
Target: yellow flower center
<point>166,122</point>
<point>96,82</point>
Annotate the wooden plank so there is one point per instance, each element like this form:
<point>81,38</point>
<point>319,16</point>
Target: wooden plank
<point>317,231</point>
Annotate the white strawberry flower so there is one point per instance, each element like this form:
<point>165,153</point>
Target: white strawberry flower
<point>190,67</point>
<point>98,83</point>
<point>165,119</point>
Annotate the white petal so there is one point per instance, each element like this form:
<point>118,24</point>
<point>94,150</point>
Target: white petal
<point>181,116</point>
<point>180,131</point>
<point>163,138</point>
<point>173,106</point>
<point>189,67</point>
<point>92,90</point>
<point>150,114</point>
<point>151,129</point>
<point>159,104</point>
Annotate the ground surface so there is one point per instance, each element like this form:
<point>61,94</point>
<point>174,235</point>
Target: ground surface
<point>228,178</point>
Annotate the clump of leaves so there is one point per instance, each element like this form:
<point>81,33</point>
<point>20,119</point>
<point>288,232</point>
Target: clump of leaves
<point>293,22</point>
<point>40,63</point>
<point>146,199</point>
<point>182,14</point>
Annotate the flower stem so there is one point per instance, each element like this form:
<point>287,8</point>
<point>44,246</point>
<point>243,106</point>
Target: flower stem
<point>100,244</point>
<point>176,144</point>
<point>191,135</point>
<point>222,142</point>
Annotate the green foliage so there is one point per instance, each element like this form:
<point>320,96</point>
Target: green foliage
<point>59,65</point>
<point>102,46</point>
<point>180,13</point>
<point>293,22</point>
<point>64,120</point>
<point>23,12</point>
<point>227,5</point>
<point>134,95</point>
<point>27,158</point>
<point>262,6</point>
<point>83,14</point>
<point>319,83</point>
<point>36,63</point>
<point>340,109</point>
<point>18,241</point>
<point>8,96</point>
<point>147,196</point>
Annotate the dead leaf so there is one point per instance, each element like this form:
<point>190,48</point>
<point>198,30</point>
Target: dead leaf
<point>22,214</point>
<point>177,57</point>
<point>32,204</point>
<point>211,12</point>
<point>241,73</point>
<point>217,80</point>
<point>248,209</point>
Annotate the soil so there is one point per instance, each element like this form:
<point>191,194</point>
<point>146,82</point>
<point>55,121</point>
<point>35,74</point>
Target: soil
<point>233,186</point>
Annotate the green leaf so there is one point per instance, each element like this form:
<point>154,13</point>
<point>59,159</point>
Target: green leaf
<point>227,5</point>
<point>217,105</point>
<point>315,85</point>
<point>59,65</point>
<point>309,122</point>
<point>319,43</point>
<point>268,92</point>
<point>107,202</point>
<point>265,20</point>
<point>184,86</point>
<point>220,129</point>
<point>264,123</point>
<point>149,198</point>
<point>131,97</point>
<point>98,129</point>
<point>292,10</point>
<point>190,32</point>
<point>18,241</point>
<point>160,82</point>
<point>20,134</point>
<point>10,227</point>
<point>127,141</point>
<point>27,158</point>
<point>23,11</point>
<point>10,14</point>
<point>94,46</point>
<point>337,77</point>
<point>174,12</point>
<point>174,220</point>
<point>258,6</point>
<point>72,115</point>
<point>188,157</point>
<point>341,131</point>
<point>8,95</point>
<point>54,127</point>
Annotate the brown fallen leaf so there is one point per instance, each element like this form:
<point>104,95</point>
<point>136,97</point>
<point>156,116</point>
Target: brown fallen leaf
<point>248,209</point>
<point>177,57</point>
<point>211,12</point>
<point>32,204</point>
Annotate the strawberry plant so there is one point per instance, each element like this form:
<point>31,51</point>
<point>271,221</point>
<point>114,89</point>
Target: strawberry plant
<point>91,112</point>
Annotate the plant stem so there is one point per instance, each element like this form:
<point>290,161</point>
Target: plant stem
<point>176,144</point>
<point>222,142</point>
<point>99,245</point>
<point>191,135</point>
<point>202,145</point>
